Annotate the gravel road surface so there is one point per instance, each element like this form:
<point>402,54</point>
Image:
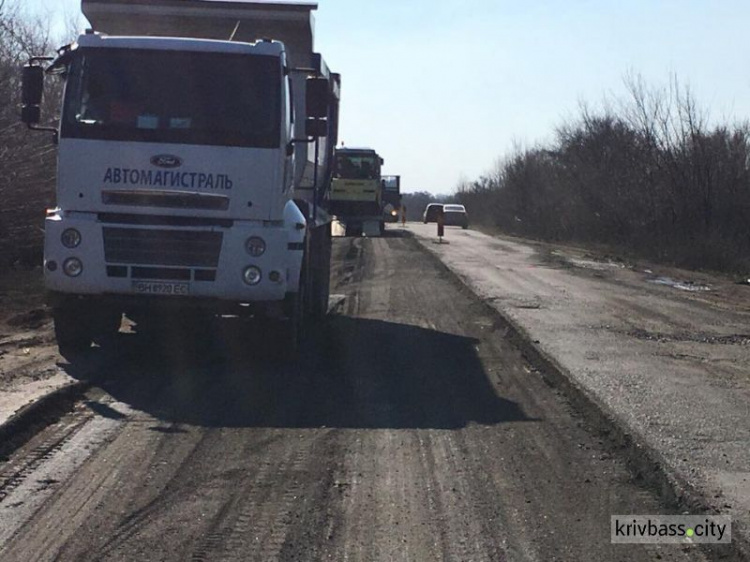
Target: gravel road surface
<point>413,430</point>
<point>665,352</point>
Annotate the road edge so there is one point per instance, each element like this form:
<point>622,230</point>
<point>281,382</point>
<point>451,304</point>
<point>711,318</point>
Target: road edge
<point>39,413</point>
<point>645,463</point>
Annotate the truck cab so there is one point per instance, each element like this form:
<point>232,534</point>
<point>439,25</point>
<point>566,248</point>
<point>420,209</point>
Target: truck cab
<point>186,175</point>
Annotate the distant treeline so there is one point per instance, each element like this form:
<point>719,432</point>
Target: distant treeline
<point>647,174</point>
<point>27,158</point>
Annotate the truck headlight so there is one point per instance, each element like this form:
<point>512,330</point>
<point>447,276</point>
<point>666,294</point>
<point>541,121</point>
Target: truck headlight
<point>255,246</point>
<point>70,238</point>
<point>252,275</point>
<point>72,267</point>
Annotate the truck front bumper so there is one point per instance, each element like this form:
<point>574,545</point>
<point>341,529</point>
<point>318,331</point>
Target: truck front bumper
<point>159,263</point>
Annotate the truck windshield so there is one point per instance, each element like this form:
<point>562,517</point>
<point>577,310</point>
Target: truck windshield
<point>357,166</point>
<point>391,184</point>
<point>177,97</point>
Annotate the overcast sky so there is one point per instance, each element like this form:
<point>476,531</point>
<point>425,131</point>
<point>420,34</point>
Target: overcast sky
<point>443,88</point>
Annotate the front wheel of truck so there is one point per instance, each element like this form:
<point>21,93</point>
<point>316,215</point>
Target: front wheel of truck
<point>77,325</point>
<point>72,330</point>
<point>293,326</point>
<point>320,274</point>
<point>105,324</point>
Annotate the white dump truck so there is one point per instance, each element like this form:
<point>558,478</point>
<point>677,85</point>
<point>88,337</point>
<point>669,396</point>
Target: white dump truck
<point>195,140</point>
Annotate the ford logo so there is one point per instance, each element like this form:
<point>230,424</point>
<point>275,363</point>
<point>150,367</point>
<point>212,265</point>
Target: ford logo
<point>166,161</point>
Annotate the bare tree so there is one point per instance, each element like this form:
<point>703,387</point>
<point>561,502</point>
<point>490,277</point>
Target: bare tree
<point>26,160</point>
<point>646,173</point>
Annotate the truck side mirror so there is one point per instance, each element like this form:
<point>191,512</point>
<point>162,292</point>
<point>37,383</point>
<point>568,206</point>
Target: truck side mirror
<point>32,87</point>
<point>317,97</point>
<point>32,84</point>
<point>31,114</point>
<point>316,128</point>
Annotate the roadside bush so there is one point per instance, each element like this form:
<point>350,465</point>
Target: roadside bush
<point>649,176</point>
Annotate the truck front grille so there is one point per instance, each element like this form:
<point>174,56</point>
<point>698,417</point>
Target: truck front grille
<point>166,199</point>
<point>181,248</point>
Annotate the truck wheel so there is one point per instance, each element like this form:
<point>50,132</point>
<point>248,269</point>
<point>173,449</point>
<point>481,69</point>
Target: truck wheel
<point>324,293</point>
<point>293,327</point>
<point>105,324</point>
<point>72,329</point>
<point>321,285</point>
<point>382,228</point>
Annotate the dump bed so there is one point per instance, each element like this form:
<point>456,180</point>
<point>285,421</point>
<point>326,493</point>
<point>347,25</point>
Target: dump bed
<point>292,23</point>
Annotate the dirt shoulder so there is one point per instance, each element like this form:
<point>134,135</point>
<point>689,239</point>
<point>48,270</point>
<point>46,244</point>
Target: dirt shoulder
<point>28,353</point>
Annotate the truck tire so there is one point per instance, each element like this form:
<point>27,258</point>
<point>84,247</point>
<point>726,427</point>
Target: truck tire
<point>105,324</point>
<point>72,329</point>
<point>321,280</point>
<point>382,228</point>
<point>293,326</point>
<point>78,325</point>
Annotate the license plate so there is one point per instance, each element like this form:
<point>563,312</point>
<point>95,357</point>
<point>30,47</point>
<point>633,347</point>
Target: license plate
<point>161,288</point>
